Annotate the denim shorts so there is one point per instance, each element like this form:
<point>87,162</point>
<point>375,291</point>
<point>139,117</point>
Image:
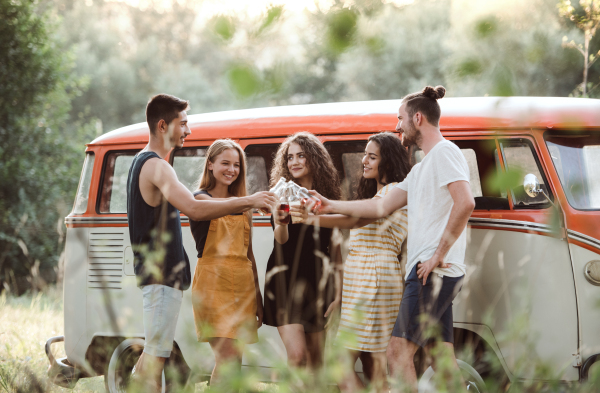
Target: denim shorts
<point>426,310</point>
<point>161,310</point>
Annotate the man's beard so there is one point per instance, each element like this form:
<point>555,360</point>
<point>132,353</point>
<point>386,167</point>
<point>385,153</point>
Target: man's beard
<point>415,135</point>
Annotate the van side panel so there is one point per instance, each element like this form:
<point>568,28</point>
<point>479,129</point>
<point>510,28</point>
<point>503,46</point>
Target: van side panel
<point>520,285</point>
<point>589,302</point>
<point>74,300</point>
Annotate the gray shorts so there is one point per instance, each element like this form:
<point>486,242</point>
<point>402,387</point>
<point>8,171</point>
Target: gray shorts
<point>161,310</point>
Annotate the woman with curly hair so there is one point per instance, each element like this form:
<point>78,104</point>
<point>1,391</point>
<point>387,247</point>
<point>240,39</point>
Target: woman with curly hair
<point>372,273</point>
<point>299,288</point>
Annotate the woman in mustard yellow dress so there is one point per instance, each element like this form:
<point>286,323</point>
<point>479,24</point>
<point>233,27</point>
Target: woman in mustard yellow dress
<point>226,298</point>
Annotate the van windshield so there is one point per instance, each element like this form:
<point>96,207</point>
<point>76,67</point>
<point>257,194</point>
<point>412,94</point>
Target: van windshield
<point>576,157</point>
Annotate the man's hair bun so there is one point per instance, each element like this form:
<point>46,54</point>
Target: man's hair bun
<point>434,92</point>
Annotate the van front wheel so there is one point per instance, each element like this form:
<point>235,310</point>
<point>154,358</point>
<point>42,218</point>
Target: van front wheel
<point>118,376</point>
<point>471,377</point>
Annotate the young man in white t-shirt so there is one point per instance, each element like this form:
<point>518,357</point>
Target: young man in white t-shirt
<point>440,202</point>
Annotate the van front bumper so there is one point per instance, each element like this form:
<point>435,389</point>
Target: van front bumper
<point>61,372</point>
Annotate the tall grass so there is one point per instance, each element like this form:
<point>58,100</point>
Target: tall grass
<point>26,322</point>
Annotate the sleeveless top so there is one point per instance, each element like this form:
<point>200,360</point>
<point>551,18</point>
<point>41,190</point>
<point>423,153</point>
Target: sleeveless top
<point>155,235</point>
<point>200,228</point>
<point>294,271</point>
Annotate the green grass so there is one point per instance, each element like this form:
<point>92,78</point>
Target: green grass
<point>26,323</point>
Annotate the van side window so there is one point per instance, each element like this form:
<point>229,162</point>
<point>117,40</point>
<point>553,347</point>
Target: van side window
<point>83,191</point>
<point>113,196</point>
<point>347,158</point>
<point>260,161</point>
<point>482,158</point>
<point>576,157</point>
<point>519,158</point>
<point>189,164</point>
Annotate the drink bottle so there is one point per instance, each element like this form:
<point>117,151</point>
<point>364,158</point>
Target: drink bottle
<point>285,207</point>
<point>277,189</point>
<point>305,196</point>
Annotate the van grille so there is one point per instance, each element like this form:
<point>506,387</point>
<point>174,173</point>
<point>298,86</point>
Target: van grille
<point>105,258</point>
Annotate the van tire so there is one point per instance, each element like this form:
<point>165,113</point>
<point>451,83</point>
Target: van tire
<point>122,361</point>
<point>474,381</point>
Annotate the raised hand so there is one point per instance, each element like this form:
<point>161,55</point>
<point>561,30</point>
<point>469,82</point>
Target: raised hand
<point>263,200</point>
<point>300,212</point>
<point>325,206</point>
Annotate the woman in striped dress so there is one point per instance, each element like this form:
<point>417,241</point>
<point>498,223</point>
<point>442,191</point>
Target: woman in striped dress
<point>372,284</point>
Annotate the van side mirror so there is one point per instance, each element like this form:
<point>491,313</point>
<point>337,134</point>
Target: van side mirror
<point>531,185</point>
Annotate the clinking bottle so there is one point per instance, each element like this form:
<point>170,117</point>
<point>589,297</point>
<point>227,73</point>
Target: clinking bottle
<point>304,195</point>
<point>277,189</point>
<point>284,206</point>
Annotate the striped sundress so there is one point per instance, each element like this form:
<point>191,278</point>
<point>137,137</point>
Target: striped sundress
<point>373,282</point>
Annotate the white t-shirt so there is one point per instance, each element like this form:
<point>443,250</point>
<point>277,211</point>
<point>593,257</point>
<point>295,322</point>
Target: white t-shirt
<point>429,205</point>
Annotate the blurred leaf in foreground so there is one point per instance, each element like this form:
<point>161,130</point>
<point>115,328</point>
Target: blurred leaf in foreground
<point>244,80</point>
<point>273,15</point>
<point>500,181</point>
<point>341,29</point>
<point>223,27</point>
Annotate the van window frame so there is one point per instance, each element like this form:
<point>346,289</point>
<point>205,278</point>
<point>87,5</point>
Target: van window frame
<point>340,170</point>
<point>101,189</point>
<point>562,132</point>
<point>89,156</point>
<point>500,164</point>
<point>173,154</point>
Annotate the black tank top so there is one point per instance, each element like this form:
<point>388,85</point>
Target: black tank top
<point>155,234</point>
<point>200,228</point>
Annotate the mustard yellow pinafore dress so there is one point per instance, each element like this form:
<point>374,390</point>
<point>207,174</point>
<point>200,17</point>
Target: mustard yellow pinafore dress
<point>223,289</point>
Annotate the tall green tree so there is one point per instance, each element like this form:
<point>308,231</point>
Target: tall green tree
<point>41,153</point>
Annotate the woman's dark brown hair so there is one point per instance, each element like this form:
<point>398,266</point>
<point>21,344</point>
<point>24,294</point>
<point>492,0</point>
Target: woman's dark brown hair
<point>394,164</point>
<point>326,180</point>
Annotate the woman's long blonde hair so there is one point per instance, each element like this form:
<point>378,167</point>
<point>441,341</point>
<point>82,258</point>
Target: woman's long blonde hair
<point>326,180</point>
<point>208,181</point>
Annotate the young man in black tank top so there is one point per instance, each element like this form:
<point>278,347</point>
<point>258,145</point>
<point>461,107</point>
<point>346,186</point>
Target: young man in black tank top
<point>154,199</point>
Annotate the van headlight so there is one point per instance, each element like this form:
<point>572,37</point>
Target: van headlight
<point>592,272</point>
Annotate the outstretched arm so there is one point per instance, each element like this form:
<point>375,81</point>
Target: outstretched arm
<point>340,221</point>
<point>459,217</point>
<point>372,208</point>
<point>160,174</point>
<point>330,220</point>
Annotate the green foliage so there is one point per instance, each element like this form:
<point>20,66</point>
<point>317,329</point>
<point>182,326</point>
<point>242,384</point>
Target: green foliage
<point>486,27</point>
<point>341,29</point>
<point>244,80</point>
<point>500,181</point>
<point>222,26</point>
<point>586,17</point>
<point>41,153</point>
<point>469,67</point>
<point>274,14</point>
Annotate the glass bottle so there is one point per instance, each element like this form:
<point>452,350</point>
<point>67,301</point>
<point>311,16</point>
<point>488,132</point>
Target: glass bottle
<point>284,206</point>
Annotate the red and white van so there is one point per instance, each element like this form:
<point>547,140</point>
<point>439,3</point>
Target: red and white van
<point>533,258</point>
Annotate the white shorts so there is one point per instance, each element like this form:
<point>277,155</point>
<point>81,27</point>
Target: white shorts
<point>161,310</point>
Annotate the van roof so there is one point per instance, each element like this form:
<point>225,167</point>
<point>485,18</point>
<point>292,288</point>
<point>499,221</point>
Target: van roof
<point>371,116</point>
